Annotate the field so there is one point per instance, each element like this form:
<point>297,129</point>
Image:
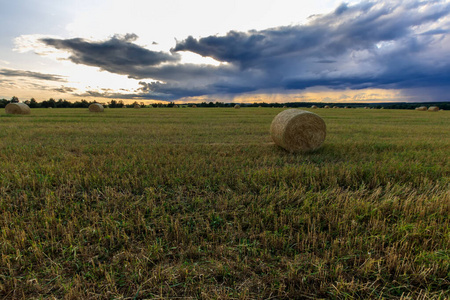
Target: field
<point>160,203</point>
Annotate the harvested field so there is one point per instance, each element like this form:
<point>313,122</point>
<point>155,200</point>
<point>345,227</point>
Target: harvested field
<point>200,203</point>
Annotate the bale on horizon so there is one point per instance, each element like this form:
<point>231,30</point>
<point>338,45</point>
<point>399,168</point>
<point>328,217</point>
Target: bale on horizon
<point>298,130</point>
<point>18,108</point>
<point>421,108</point>
<point>314,106</point>
<point>96,107</point>
<point>237,106</point>
<point>433,108</point>
<point>194,106</point>
<point>326,106</point>
<point>136,106</point>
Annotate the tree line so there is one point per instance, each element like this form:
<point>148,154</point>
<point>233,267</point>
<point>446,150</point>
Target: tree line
<point>62,103</point>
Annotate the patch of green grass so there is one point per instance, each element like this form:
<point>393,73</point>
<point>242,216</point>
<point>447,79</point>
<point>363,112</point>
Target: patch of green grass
<point>160,203</point>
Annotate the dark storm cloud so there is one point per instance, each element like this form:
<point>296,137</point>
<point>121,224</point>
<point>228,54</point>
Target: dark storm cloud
<point>29,74</point>
<point>117,55</point>
<point>373,44</point>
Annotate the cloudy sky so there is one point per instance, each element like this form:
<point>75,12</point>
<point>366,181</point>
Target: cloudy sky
<point>234,50</point>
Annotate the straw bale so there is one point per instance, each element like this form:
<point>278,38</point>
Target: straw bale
<point>194,106</point>
<point>17,108</point>
<point>136,106</point>
<point>326,106</point>
<point>297,130</point>
<point>237,106</point>
<point>433,108</point>
<point>314,106</point>
<point>96,107</point>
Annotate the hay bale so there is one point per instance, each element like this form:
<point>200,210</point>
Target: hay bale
<point>96,107</point>
<point>314,106</point>
<point>433,108</point>
<point>237,106</point>
<point>175,106</point>
<point>284,106</point>
<point>297,130</point>
<point>326,106</point>
<point>194,106</point>
<point>421,108</point>
<point>136,106</point>
<point>17,109</point>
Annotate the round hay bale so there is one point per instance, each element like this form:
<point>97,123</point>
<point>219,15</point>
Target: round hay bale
<point>237,106</point>
<point>17,109</point>
<point>433,108</point>
<point>326,106</point>
<point>194,106</point>
<point>314,106</point>
<point>421,108</point>
<point>297,130</point>
<point>175,106</point>
<point>136,106</point>
<point>96,107</point>
<point>284,106</point>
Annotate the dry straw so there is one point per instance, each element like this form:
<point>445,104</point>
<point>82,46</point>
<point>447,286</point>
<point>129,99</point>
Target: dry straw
<point>194,106</point>
<point>17,109</point>
<point>314,106</point>
<point>237,106</point>
<point>137,106</point>
<point>297,130</point>
<point>326,106</point>
<point>433,108</point>
<point>96,107</point>
<point>421,108</point>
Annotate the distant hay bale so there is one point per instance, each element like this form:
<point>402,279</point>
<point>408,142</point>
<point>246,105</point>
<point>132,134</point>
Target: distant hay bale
<point>297,130</point>
<point>284,106</point>
<point>335,107</point>
<point>433,108</point>
<point>194,106</point>
<point>96,107</point>
<point>421,108</point>
<point>326,106</point>
<point>314,106</point>
<point>237,106</point>
<point>136,106</point>
<point>17,109</point>
<point>175,106</point>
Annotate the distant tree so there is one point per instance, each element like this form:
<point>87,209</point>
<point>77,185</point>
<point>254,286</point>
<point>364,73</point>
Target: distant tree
<point>33,103</point>
<point>112,104</point>
<point>3,103</point>
<point>14,99</point>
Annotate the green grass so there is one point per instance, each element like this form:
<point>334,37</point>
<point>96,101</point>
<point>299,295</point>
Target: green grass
<point>161,203</point>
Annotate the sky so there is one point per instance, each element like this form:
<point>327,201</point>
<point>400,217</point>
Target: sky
<point>229,51</point>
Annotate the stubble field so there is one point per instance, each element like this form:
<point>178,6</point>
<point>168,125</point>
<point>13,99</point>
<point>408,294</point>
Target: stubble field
<point>176,203</point>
